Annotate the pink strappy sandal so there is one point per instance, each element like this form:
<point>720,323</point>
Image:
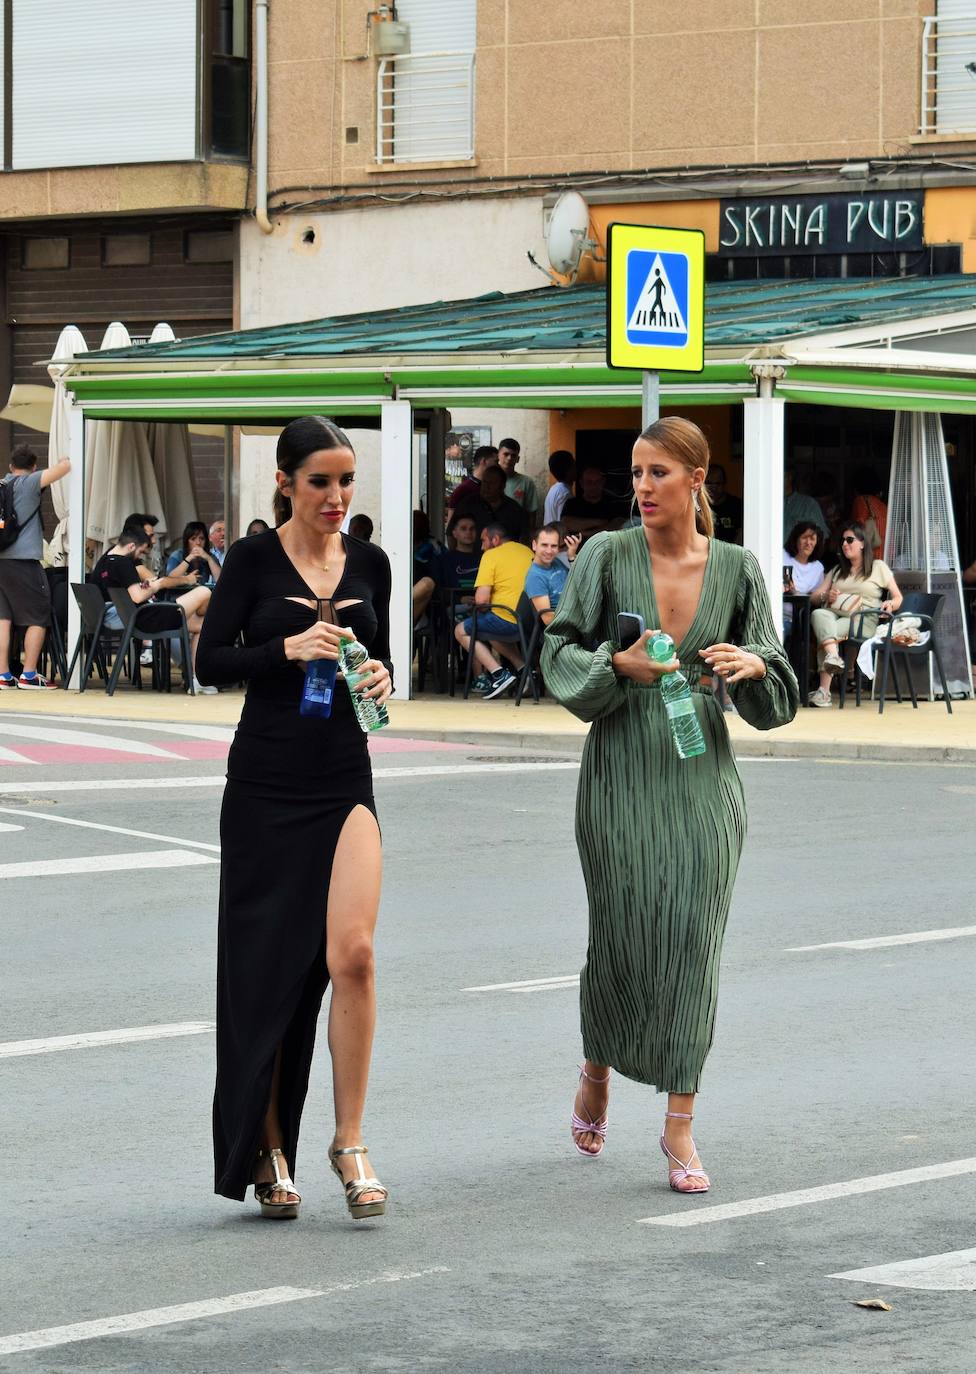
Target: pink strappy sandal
<point>579,1126</point>
<point>682,1171</point>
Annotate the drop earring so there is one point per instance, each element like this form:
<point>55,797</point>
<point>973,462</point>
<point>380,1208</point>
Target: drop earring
<point>697,501</point>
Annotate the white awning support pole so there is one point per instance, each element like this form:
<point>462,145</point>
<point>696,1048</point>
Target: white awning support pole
<point>396,514</point>
<point>762,521</point>
<point>77,520</point>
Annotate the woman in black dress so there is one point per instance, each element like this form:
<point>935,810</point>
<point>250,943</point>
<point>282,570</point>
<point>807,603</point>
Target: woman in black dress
<point>300,844</point>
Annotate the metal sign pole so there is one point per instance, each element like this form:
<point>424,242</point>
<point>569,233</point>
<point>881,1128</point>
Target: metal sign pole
<point>650,398</point>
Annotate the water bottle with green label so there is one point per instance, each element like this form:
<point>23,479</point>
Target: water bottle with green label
<point>371,714</point>
<point>678,700</point>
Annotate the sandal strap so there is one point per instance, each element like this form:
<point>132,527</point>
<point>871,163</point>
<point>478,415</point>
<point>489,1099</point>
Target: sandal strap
<point>589,1077</point>
<point>352,1150</point>
<point>680,1116</point>
<point>356,1189</point>
<point>593,1127</point>
<point>262,1191</point>
<point>687,1173</point>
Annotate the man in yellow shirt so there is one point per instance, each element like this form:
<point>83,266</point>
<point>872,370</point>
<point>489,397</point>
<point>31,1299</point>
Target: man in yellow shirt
<point>499,584</point>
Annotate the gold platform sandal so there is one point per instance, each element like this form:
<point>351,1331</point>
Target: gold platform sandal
<point>356,1187</point>
<point>284,1211</point>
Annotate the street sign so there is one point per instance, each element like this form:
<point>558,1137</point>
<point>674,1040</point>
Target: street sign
<point>655,298</point>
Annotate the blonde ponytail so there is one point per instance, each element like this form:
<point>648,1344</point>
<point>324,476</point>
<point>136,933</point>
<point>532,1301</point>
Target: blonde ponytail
<point>683,441</point>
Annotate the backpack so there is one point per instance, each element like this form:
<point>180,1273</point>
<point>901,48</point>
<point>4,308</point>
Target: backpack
<point>10,526</point>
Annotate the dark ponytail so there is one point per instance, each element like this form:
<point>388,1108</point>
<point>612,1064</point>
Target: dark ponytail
<point>299,439</point>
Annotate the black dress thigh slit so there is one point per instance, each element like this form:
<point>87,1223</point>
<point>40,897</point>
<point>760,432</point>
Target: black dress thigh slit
<point>292,782</point>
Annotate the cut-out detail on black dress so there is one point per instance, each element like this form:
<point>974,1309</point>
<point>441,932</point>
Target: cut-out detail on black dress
<point>292,782</point>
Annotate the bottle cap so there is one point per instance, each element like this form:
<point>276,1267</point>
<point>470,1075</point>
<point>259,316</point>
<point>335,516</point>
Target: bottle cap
<point>660,647</point>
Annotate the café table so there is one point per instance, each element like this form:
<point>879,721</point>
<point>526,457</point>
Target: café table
<point>799,649</point>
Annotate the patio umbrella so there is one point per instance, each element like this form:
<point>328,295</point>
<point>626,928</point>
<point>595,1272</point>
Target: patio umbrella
<point>70,343</point>
<point>169,444</point>
<point>120,476</point>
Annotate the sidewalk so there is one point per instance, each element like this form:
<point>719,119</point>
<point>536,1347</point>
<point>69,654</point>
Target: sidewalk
<point>928,734</point>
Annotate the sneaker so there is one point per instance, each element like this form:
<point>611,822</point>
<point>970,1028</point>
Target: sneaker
<point>7,680</point>
<point>200,690</point>
<point>500,682</point>
<point>833,663</point>
<point>481,683</point>
<point>34,683</point>
<point>145,658</point>
<point>820,698</point>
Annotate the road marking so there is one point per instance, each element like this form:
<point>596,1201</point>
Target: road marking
<point>776,1202</point>
<point>11,756</point>
<point>23,789</point>
<point>87,738</point>
<point>565,980</point>
<point>917,937</point>
<point>130,1035</point>
<point>190,1311</point>
<point>953,1272</point>
<point>5,828</point>
<point>112,829</point>
<point>436,770</point>
<point>104,863</point>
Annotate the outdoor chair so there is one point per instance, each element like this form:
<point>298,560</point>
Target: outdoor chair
<point>851,647</point>
<point>533,630</point>
<point>54,641</point>
<point>95,638</point>
<point>923,606</point>
<point>132,632</point>
<point>519,638</point>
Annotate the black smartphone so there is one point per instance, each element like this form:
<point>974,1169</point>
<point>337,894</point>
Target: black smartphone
<point>630,627</point>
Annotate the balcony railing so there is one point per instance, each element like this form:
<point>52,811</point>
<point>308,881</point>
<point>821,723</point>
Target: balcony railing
<point>948,99</point>
<point>425,107</point>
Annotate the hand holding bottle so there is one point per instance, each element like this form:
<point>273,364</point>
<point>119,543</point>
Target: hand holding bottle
<point>321,641</point>
<point>637,664</point>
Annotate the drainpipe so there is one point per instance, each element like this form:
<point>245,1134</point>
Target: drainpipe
<point>261,116</point>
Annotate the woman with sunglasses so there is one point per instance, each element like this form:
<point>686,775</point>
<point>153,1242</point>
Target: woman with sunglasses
<point>860,582</point>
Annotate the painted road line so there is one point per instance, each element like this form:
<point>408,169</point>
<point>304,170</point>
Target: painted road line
<point>953,1272</point>
<point>918,937</point>
<point>44,789</point>
<point>88,1040</point>
<point>564,980</point>
<point>11,756</point>
<point>104,863</point>
<point>776,1202</point>
<point>6,828</point>
<point>436,770</point>
<point>112,829</point>
<point>190,1311</point>
<point>87,738</point>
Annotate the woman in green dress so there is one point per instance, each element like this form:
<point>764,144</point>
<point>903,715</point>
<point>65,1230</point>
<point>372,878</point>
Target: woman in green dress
<point>660,837</point>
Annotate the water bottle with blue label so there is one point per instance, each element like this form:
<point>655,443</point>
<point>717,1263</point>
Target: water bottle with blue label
<point>678,700</point>
<point>320,678</point>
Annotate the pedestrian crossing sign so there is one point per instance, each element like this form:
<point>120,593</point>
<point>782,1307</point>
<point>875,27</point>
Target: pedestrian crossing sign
<point>655,298</point>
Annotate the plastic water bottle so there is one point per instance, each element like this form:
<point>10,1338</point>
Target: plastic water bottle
<point>678,701</point>
<point>370,713</point>
<point>320,676</point>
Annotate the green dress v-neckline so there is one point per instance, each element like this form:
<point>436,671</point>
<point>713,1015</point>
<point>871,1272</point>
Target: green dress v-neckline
<point>702,595</point>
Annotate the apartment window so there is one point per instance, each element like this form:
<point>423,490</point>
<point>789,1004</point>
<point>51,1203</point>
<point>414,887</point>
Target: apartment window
<point>229,79</point>
<point>936,261</point>
<point>949,69</point>
<point>126,87</point>
<point>425,98</point>
<point>208,245</point>
<point>40,255</point>
<point>126,250</point>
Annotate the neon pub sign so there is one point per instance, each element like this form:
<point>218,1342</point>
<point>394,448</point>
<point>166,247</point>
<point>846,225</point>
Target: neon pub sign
<point>885,222</point>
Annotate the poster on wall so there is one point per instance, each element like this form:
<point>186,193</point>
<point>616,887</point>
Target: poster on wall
<point>459,449</point>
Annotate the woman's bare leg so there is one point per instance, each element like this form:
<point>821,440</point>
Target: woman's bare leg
<point>591,1104</point>
<point>194,603</point>
<point>678,1138</point>
<point>354,898</point>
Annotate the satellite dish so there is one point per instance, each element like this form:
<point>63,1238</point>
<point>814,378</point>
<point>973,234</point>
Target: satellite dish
<point>567,233</point>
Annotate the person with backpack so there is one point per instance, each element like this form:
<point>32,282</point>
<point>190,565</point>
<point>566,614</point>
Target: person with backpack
<point>25,600</point>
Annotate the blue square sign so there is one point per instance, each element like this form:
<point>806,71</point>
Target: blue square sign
<point>657,298</point>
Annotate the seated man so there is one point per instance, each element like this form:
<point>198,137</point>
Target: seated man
<point>500,581</point>
<point>591,510</point>
<point>426,564</point>
<point>118,568</point>
<point>462,557</point>
<point>492,506</point>
<point>562,465</point>
<point>546,578</point>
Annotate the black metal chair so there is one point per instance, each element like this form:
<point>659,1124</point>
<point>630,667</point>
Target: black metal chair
<point>518,637</point>
<point>533,630</point>
<point>133,632</point>
<point>925,607</point>
<point>851,647</point>
<point>95,639</point>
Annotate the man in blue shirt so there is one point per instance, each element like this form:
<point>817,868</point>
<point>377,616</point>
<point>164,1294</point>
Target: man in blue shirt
<point>546,578</point>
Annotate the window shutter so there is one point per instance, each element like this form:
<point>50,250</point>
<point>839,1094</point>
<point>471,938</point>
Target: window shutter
<point>104,81</point>
<point>955,100</point>
<point>433,104</point>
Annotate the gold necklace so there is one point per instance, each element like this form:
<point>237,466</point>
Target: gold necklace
<point>321,567</point>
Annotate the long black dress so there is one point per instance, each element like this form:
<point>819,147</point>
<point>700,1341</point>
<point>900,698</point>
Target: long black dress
<point>292,781</point>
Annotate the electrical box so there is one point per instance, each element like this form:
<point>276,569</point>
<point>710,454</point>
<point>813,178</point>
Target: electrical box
<point>391,38</point>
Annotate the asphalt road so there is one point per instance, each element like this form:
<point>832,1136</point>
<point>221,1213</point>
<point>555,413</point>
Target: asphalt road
<point>502,1250</point>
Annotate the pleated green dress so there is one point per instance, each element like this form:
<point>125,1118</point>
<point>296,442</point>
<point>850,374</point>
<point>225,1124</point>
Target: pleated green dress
<point>659,837</point>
